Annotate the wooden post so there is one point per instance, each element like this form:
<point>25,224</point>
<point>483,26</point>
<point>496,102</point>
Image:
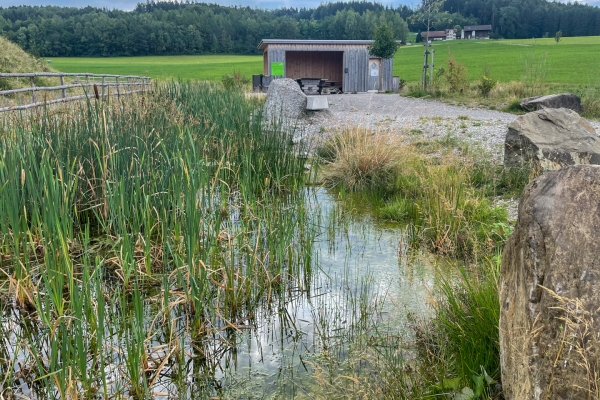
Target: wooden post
<point>103,86</point>
<point>33,96</point>
<point>431,69</point>
<point>118,91</point>
<point>62,83</point>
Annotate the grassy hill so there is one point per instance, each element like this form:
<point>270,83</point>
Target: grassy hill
<point>14,59</point>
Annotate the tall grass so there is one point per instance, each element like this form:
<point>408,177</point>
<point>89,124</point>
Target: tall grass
<point>172,216</point>
<point>445,199</point>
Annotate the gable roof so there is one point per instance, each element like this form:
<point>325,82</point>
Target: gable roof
<point>478,28</point>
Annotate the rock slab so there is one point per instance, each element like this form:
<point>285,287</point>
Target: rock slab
<point>550,139</point>
<point>550,288</point>
<point>560,100</point>
<point>285,102</point>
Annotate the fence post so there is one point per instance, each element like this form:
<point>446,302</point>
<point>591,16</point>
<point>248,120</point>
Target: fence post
<point>33,96</point>
<point>103,86</point>
<point>118,91</point>
<point>62,83</point>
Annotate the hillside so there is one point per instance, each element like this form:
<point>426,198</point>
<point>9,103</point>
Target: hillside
<point>14,59</point>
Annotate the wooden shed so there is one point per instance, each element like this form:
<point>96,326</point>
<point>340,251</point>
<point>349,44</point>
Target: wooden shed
<point>344,61</point>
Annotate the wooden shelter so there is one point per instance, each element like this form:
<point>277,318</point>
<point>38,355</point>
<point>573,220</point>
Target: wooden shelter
<point>344,62</point>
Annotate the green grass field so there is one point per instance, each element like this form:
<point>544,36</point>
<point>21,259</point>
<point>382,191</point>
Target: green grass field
<point>206,67</point>
<point>572,61</point>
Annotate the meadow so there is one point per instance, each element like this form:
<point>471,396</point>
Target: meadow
<point>205,67</point>
<point>570,62</point>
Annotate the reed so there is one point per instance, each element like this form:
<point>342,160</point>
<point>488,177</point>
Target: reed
<point>180,198</point>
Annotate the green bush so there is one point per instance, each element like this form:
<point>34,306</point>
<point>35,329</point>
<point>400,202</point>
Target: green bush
<point>486,85</point>
<point>456,75</point>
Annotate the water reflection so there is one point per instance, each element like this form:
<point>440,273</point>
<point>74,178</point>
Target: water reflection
<point>364,284</point>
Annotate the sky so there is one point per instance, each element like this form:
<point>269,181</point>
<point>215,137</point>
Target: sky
<point>130,4</point>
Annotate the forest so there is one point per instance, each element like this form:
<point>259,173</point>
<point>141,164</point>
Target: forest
<point>169,28</point>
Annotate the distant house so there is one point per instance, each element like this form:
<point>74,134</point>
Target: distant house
<point>433,35</point>
<point>450,34</point>
<point>476,32</point>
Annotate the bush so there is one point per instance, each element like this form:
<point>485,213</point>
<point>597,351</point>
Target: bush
<point>234,81</point>
<point>486,85</point>
<point>456,75</point>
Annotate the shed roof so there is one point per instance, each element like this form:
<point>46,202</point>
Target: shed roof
<point>478,28</point>
<point>265,42</point>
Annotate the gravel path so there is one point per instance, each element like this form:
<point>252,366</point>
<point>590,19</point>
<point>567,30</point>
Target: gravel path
<point>417,118</point>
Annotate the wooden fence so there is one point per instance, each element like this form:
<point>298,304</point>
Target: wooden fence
<point>72,87</point>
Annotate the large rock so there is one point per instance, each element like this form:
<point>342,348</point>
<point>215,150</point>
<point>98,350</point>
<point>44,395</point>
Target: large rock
<point>285,102</point>
<point>550,289</point>
<point>550,139</point>
<point>561,100</point>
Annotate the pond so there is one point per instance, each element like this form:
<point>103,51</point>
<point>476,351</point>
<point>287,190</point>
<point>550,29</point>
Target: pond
<point>364,287</point>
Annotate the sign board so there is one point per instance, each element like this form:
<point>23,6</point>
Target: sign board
<point>374,69</point>
<point>276,69</point>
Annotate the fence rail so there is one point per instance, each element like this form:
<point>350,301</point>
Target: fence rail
<point>92,85</point>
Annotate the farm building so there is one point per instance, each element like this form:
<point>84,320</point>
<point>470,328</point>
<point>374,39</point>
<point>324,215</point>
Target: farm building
<point>448,34</point>
<point>433,35</point>
<point>476,32</point>
<point>343,64</point>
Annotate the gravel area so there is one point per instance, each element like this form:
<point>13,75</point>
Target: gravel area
<point>418,119</point>
<point>415,118</point>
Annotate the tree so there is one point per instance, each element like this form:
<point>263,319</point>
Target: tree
<point>384,44</point>
<point>558,36</point>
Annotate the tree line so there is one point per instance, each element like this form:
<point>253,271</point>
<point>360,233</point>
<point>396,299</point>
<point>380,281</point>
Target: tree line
<point>160,28</point>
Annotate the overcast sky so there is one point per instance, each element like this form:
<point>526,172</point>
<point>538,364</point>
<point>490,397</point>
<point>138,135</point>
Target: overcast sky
<point>130,4</point>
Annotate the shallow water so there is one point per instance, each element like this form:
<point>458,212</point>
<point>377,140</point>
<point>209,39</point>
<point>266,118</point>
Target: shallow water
<point>364,284</point>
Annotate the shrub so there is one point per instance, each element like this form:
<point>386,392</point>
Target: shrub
<point>535,72</point>
<point>486,84</point>
<point>456,75</point>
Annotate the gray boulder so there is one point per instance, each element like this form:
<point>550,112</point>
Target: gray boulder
<point>550,289</point>
<point>550,139</point>
<point>560,100</point>
<point>285,102</point>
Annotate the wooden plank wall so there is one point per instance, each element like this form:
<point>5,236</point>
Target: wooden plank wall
<point>356,59</point>
<point>315,64</point>
<point>266,63</point>
<point>387,67</point>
